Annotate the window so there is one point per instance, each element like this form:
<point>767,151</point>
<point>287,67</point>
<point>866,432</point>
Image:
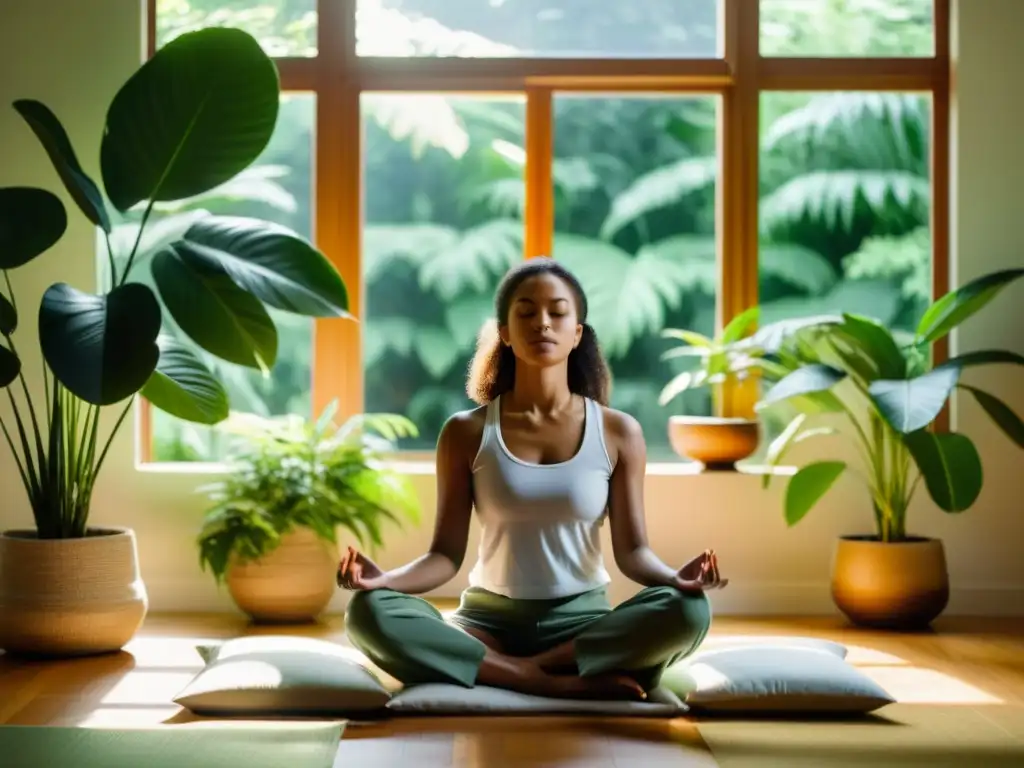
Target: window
<point>634,190</point>
<point>884,28</point>
<point>443,194</point>
<point>688,159</point>
<point>845,207</point>
<point>282,27</point>
<point>537,28</point>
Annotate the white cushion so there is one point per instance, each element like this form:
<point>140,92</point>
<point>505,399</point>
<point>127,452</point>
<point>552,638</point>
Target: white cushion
<point>276,675</point>
<point>717,642</point>
<point>773,678</point>
<point>445,699</point>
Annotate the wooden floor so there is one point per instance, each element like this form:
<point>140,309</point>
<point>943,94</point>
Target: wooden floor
<point>966,670</point>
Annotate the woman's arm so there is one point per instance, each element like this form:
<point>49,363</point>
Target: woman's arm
<point>633,554</point>
<point>456,447</point>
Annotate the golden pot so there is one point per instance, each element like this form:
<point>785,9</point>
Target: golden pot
<point>891,585</point>
<point>70,597</point>
<point>291,584</point>
<point>717,443</point>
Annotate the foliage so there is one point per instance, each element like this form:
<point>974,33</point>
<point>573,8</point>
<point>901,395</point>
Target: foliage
<point>889,395</point>
<point>289,473</point>
<point>214,96</point>
<point>722,358</point>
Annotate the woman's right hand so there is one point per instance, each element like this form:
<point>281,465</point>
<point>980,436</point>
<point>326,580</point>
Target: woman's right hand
<point>358,572</point>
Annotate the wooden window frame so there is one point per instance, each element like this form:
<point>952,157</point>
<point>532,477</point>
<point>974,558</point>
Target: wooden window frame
<point>338,77</point>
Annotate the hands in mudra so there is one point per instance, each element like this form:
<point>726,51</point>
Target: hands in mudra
<point>700,574</point>
<point>358,572</point>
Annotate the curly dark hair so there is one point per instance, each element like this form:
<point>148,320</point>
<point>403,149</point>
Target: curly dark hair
<point>493,369</point>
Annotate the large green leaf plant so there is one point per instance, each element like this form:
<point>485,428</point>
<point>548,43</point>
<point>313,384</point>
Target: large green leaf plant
<point>889,395</point>
<point>288,473</point>
<point>193,117</point>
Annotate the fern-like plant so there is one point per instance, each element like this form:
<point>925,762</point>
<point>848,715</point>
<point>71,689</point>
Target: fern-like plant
<point>288,473</point>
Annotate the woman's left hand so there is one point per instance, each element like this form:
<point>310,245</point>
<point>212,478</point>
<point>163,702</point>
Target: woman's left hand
<point>700,574</point>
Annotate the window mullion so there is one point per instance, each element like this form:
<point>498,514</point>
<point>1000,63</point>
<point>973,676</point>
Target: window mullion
<point>737,189</point>
<point>539,219</point>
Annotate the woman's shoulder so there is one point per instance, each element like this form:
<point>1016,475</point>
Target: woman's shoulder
<point>623,434</point>
<point>463,430</point>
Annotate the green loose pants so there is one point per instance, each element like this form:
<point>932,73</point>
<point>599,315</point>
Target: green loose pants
<point>409,639</point>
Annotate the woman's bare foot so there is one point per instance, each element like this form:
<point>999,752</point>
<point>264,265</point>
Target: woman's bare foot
<point>608,687</point>
<point>526,676</point>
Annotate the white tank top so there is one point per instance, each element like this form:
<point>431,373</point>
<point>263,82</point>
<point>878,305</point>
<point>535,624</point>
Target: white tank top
<point>541,522</point>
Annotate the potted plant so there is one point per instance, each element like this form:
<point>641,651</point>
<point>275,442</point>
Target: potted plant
<point>717,442</point>
<point>192,117</point>
<point>888,396</point>
<point>737,355</point>
<point>272,531</point>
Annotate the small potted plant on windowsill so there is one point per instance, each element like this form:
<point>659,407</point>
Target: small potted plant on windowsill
<point>735,356</point>
<point>195,115</point>
<point>272,531</point>
<point>714,441</point>
<point>889,396</point>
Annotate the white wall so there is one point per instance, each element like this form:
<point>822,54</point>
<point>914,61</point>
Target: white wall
<point>73,55</point>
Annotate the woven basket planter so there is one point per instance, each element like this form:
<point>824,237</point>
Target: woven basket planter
<point>70,597</point>
<point>291,584</point>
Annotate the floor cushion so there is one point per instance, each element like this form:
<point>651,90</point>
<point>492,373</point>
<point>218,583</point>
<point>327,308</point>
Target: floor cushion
<point>281,675</point>
<point>773,678</point>
<point>444,699</point>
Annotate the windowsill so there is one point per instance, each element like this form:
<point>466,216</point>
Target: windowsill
<point>425,467</point>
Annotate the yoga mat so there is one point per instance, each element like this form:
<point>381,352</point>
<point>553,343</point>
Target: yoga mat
<point>200,745</point>
<point>899,736</point>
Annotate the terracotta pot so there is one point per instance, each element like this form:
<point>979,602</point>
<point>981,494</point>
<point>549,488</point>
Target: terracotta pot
<point>70,597</point>
<point>717,443</point>
<point>891,585</point>
<point>292,584</point>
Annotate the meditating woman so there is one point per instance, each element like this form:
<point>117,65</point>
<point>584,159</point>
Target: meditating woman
<point>544,460</point>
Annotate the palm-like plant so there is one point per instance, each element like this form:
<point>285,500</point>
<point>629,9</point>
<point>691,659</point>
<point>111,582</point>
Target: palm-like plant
<point>889,395</point>
<point>287,473</point>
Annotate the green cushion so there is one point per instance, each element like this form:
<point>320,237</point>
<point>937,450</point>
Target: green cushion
<point>262,745</point>
<point>282,675</point>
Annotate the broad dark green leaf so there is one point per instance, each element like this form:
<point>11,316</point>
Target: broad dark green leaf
<point>875,345</point>
<point>55,141</point>
<point>911,404</point>
<point>8,317</point>
<point>197,113</point>
<point>1000,413</point>
<point>958,305</point>
<point>10,367</point>
<point>183,386</point>
<point>950,466</point>
<point>272,263</point>
<point>31,222</point>
<point>213,311</point>
<point>984,357</point>
<point>816,377</point>
<point>102,348</point>
<point>807,487</point>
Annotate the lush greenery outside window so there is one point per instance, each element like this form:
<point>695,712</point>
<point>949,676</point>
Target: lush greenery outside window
<point>687,158</point>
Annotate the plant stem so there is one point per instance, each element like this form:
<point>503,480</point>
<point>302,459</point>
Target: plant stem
<point>110,259</point>
<point>110,438</point>
<point>138,240</point>
<point>10,291</point>
<point>17,459</point>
